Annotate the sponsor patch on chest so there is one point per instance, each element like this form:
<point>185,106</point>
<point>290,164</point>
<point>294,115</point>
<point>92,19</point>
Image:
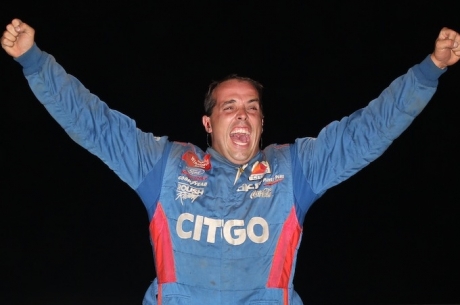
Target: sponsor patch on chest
<point>259,169</point>
<point>186,191</point>
<point>233,231</point>
<point>193,161</point>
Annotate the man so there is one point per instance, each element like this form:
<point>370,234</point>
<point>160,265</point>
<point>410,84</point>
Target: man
<point>226,224</point>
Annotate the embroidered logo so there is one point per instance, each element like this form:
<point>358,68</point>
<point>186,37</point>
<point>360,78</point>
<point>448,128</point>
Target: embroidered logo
<point>265,193</point>
<point>259,169</point>
<point>194,173</point>
<point>185,191</point>
<point>248,186</point>
<point>233,231</point>
<point>192,182</point>
<point>192,160</point>
<point>273,180</point>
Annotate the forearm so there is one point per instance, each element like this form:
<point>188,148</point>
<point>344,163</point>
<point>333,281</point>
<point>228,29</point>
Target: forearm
<point>108,134</point>
<point>344,147</point>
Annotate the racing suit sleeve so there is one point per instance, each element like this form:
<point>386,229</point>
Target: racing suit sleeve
<point>106,133</point>
<point>344,147</point>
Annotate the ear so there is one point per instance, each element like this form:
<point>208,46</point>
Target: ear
<point>207,123</point>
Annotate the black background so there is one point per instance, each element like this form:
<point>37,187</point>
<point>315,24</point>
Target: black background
<point>73,233</point>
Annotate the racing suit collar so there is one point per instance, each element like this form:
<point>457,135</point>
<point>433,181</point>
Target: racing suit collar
<point>214,154</point>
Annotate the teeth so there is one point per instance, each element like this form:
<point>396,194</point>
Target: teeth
<point>240,130</point>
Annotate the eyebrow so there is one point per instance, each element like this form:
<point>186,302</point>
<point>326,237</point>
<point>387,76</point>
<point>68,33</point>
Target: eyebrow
<point>228,102</point>
<point>234,101</point>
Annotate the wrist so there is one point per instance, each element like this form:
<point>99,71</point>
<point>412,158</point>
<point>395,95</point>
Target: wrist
<point>438,63</point>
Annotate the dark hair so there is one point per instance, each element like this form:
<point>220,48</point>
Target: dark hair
<point>210,101</point>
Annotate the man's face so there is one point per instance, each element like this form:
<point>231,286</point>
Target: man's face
<point>236,121</point>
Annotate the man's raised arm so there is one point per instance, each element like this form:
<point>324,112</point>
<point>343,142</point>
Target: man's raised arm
<point>108,134</point>
<point>344,147</point>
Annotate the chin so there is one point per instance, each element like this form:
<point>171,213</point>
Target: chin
<point>243,158</point>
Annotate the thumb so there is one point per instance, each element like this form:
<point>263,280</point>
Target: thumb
<point>21,27</point>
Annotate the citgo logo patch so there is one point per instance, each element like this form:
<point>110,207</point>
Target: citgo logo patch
<point>233,231</point>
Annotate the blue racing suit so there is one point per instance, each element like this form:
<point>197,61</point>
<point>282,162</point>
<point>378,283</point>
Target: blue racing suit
<point>225,233</point>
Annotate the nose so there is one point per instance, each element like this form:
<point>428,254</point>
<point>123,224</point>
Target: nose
<point>242,115</point>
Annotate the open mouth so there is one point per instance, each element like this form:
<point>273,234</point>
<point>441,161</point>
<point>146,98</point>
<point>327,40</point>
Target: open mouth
<point>240,136</point>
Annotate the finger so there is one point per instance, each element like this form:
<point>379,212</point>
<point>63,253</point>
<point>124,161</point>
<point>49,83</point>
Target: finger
<point>457,40</point>
<point>17,24</point>
<point>456,51</point>
<point>447,33</point>
<point>443,44</point>
<point>21,27</point>
<point>7,42</point>
<point>8,36</point>
<point>11,30</point>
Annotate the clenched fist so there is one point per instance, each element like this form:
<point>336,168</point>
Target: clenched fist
<point>447,48</point>
<point>18,38</point>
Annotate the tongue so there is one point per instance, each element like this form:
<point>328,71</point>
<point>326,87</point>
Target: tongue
<point>240,138</point>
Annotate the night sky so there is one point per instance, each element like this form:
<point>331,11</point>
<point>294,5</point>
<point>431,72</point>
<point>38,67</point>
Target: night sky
<point>73,233</point>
